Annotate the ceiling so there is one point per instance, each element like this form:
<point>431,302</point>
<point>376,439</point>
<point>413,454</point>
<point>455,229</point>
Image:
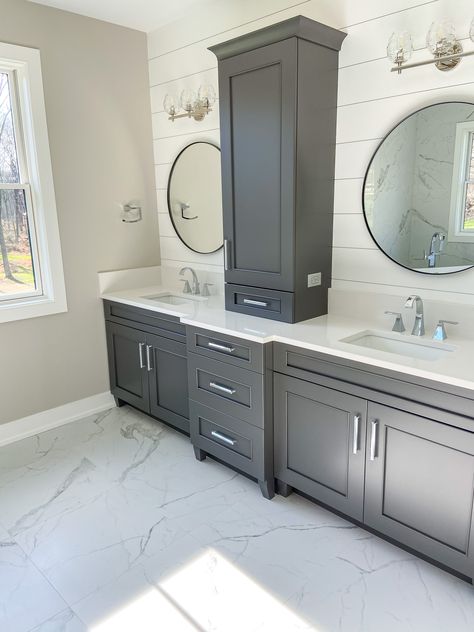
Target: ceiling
<point>144,15</point>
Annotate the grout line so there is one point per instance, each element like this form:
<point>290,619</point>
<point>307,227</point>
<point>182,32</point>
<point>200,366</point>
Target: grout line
<point>213,129</point>
<point>362,140</point>
<point>404,94</point>
<point>191,74</point>
<point>233,28</point>
<point>385,15</point>
<point>428,289</point>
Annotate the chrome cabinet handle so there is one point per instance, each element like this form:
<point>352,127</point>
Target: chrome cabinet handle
<point>148,358</point>
<point>250,301</point>
<point>222,388</point>
<point>218,347</point>
<point>227,253</point>
<point>373,439</point>
<point>355,441</point>
<point>140,354</point>
<point>223,438</point>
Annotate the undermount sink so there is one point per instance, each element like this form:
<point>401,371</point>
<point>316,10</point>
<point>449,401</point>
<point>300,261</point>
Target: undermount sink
<point>398,344</point>
<point>172,299</point>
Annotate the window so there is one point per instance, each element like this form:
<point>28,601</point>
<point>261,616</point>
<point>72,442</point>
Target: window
<point>461,223</point>
<point>31,274</point>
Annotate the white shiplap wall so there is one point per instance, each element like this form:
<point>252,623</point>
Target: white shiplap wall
<point>371,101</point>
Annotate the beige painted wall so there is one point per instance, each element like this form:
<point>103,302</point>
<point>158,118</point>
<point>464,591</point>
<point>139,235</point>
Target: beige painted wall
<point>97,105</point>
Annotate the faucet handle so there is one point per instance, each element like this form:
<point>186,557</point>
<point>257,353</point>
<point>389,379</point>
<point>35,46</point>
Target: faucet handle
<point>187,287</point>
<point>440,331</point>
<point>205,289</point>
<point>398,324</point>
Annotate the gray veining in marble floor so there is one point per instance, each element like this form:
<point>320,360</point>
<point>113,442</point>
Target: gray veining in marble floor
<point>110,525</point>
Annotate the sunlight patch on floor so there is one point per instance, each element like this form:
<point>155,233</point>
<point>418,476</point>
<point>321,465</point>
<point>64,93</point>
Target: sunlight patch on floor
<point>208,593</point>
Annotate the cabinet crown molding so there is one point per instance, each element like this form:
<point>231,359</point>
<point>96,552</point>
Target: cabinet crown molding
<point>299,26</point>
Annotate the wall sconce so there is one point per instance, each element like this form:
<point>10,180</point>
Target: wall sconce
<point>195,106</point>
<point>441,41</point>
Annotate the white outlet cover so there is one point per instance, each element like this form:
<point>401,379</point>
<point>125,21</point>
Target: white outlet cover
<point>314,280</point>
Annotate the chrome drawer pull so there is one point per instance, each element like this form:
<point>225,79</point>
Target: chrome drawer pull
<point>373,440</point>
<point>148,358</point>
<point>250,301</point>
<point>140,354</point>
<point>218,347</point>
<point>220,387</point>
<point>355,444</point>
<point>223,438</point>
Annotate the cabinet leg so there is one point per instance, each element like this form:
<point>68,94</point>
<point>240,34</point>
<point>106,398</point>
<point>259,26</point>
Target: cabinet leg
<point>284,489</point>
<point>267,488</point>
<point>118,402</point>
<point>199,454</point>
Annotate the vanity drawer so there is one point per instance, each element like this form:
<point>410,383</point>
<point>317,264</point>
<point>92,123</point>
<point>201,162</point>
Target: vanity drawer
<point>226,388</point>
<point>145,320</point>
<point>229,439</point>
<point>257,302</point>
<point>243,353</point>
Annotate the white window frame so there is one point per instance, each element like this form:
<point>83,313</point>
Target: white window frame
<point>456,232</point>
<point>23,66</point>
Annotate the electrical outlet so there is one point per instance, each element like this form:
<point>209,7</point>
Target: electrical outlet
<point>314,279</point>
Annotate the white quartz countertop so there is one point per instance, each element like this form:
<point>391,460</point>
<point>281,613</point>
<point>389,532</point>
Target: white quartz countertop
<point>323,334</point>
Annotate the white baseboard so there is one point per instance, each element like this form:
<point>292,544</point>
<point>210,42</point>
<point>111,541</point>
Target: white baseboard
<point>49,419</point>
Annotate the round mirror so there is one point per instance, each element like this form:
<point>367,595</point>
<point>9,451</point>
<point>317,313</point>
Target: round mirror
<point>194,197</point>
<point>418,194</point>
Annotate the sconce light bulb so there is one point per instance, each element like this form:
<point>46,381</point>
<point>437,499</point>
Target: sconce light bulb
<point>400,47</point>
<point>188,100</point>
<point>169,104</point>
<point>441,38</point>
<point>207,96</point>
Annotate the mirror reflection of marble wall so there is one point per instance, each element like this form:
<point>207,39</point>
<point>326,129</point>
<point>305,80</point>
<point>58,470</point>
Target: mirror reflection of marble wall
<point>195,197</point>
<point>408,192</point>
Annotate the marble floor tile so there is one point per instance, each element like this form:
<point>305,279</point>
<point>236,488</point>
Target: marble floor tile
<point>111,525</point>
<point>26,596</point>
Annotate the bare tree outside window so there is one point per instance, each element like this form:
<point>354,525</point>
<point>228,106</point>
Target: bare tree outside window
<point>16,260</point>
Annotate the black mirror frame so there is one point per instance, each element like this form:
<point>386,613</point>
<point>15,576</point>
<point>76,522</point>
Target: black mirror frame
<point>197,142</point>
<point>426,107</point>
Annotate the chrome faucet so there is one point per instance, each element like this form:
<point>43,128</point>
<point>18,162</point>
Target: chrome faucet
<point>437,243</point>
<point>419,324</point>
<point>195,289</point>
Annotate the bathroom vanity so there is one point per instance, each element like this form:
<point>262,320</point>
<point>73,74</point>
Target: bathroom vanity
<point>298,406</point>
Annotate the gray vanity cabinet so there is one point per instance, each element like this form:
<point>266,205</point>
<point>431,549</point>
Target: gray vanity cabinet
<point>320,443</point>
<point>420,485</point>
<point>126,352</point>
<point>148,362</point>
<point>278,98</point>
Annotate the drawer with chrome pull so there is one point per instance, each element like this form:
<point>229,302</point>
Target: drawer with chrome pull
<point>273,304</point>
<point>232,440</point>
<point>229,389</point>
<point>237,351</point>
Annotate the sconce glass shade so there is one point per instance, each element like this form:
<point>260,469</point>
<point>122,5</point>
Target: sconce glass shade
<point>169,104</point>
<point>441,38</point>
<point>188,100</point>
<point>207,96</point>
<point>400,47</point>
<point>471,32</point>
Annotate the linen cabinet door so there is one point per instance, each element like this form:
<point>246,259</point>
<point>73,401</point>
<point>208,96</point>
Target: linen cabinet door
<point>320,443</point>
<point>420,485</point>
<point>127,368</point>
<point>168,378</point>
<point>258,98</point>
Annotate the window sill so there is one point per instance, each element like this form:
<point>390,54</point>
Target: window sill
<point>31,308</point>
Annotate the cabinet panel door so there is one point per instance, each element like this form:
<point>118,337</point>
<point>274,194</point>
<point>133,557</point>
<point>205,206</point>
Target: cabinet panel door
<point>420,485</point>
<point>258,114</point>
<point>128,375</point>
<point>320,443</point>
<point>168,376</point>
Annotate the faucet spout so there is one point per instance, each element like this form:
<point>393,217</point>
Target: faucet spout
<point>195,285</point>
<point>419,324</point>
